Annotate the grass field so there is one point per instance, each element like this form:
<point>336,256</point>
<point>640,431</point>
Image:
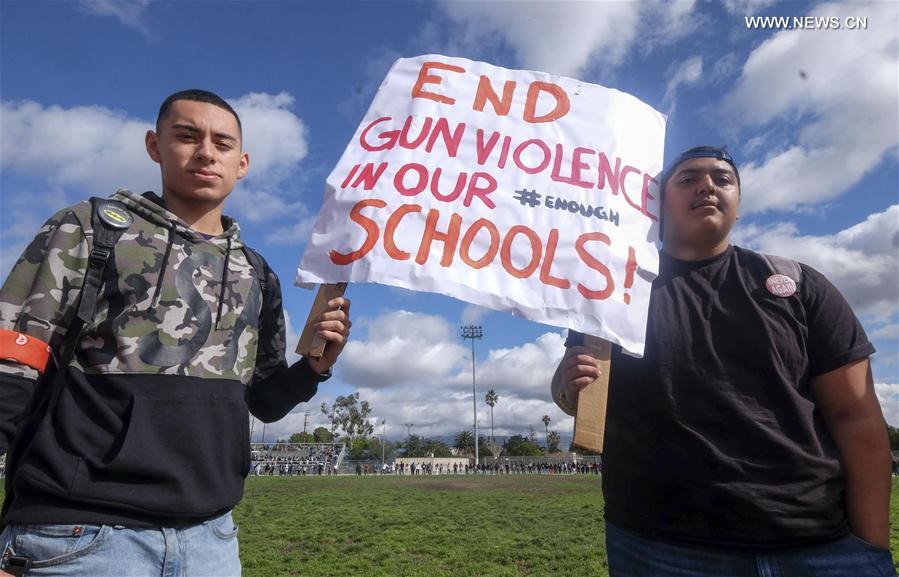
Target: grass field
<point>429,526</point>
<point>422,526</point>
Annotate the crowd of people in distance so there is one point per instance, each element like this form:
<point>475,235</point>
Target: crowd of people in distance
<point>295,459</point>
<point>499,468</point>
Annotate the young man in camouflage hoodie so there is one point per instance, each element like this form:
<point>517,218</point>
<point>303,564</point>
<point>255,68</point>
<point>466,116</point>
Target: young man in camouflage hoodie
<point>137,463</point>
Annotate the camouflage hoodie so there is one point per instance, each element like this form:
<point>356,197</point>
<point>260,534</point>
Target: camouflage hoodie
<point>151,426</point>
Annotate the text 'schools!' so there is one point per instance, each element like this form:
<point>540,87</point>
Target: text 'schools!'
<point>514,190</point>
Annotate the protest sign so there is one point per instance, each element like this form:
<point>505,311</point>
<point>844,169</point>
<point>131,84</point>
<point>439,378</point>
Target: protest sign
<point>514,190</point>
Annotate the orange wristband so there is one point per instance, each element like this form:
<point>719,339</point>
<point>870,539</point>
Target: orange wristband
<point>25,350</point>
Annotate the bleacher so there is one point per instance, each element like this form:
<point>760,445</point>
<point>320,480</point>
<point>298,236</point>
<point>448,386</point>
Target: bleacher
<point>296,458</point>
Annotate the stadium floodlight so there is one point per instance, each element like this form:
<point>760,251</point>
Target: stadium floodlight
<point>473,332</point>
<point>383,439</point>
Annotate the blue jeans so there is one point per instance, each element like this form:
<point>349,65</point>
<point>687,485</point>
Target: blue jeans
<point>631,555</point>
<point>206,550</point>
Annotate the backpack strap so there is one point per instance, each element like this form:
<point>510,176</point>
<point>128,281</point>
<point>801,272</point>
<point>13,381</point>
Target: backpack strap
<point>261,270</point>
<point>785,266</point>
<point>109,219</point>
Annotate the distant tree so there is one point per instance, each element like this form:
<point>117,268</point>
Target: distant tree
<point>350,415</point>
<point>302,438</point>
<point>519,446</point>
<point>368,448</point>
<point>492,398</point>
<point>464,442</point>
<point>322,435</point>
<point>331,415</point>
<point>485,447</point>
<point>553,439</point>
<point>414,446</point>
<point>437,448</point>
<point>373,449</point>
<point>894,438</point>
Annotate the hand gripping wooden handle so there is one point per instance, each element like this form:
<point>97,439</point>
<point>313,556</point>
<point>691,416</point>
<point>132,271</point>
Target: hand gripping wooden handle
<point>311,345</point>
<point>590,422</point>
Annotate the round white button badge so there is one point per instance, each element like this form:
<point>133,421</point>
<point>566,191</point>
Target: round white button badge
<point>780,285</point>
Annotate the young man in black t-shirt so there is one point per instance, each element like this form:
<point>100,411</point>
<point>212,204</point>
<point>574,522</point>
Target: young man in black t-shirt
<point>748,440</point>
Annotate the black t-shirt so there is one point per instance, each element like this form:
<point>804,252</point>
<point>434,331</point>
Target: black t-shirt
<point>713,438</point>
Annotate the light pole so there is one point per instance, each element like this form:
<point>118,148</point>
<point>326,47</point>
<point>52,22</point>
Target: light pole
<point>408,431</point>
<point>383,439</point>
<point>473,332</point>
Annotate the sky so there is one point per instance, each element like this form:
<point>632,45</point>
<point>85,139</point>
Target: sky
<point>810,115</point>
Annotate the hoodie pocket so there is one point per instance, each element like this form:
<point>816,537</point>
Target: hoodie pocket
<point>182,457</point>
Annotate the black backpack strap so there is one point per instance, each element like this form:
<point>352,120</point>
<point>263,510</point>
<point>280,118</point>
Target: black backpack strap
<point>785,266</point>
<point>109,219</point>
<point>261,269</point>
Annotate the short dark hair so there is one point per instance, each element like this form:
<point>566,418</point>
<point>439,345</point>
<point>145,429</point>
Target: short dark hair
<point>196,95</point>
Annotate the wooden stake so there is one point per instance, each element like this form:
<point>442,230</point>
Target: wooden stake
<point>590,423</point>
<point>311,345</point>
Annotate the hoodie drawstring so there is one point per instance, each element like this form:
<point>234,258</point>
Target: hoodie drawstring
<point>218,314</point>
<point>170,232</point>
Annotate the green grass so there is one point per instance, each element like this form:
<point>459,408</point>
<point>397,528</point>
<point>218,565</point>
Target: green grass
<point>414,526</point>
<point>430,526</point>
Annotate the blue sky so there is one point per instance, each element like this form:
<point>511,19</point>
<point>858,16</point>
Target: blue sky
<point>809,114</point>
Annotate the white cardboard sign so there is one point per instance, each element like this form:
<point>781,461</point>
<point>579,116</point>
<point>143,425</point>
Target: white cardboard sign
<point>514,190</point>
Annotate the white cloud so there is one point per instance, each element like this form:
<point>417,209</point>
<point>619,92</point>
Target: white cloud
<point>747,7</point>
<point>402,347</point>
<point>565,37</point>
<point>31,210</point>
<point>860,260</point>
<point>414,368</point>
<point>472,314</point>
<point>888,395</point>
<point>294,234</point>
<point>263,204</point>
<point>888,332</point>
<point>274,136</point>
<point>292,338</point>
<point>100,150</point>
<point>685,74</point>
<point>128,12</point>
<point>88,146</point>
<point>839,89</point>
<point>433,412</point>
<point>522,372</point>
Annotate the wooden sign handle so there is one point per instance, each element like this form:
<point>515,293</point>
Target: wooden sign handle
<point>590,422</point>
<point>311,345</point>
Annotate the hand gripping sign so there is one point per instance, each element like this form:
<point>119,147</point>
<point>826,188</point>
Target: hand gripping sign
<point>510,189</point>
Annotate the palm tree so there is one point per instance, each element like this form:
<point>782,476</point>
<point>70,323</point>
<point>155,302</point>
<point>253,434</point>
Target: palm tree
<point>464,441</point>
<point>546,421</point>
<point>491,399</point>
<point>552,442</point>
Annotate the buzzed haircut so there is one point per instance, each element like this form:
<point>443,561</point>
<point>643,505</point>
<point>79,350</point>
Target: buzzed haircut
<point>196,95</point>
